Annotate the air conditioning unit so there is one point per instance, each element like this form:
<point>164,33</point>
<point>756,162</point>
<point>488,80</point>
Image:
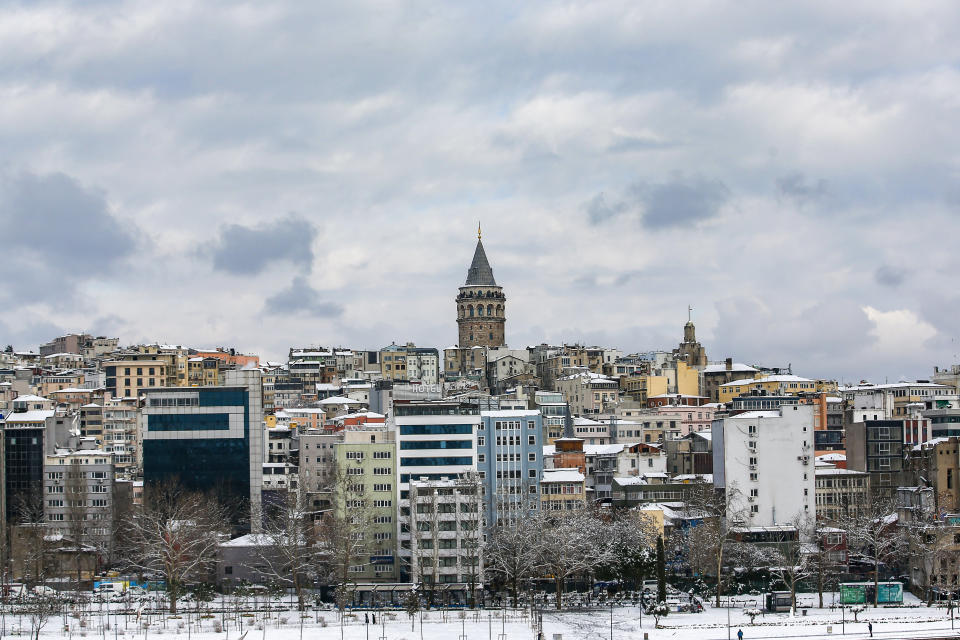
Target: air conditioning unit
<point>805,459</point>
<point>750,499</point>
<point>753,467</point>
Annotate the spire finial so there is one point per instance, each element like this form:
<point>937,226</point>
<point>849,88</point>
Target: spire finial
<point>689,313</point>
<point>479,233</point>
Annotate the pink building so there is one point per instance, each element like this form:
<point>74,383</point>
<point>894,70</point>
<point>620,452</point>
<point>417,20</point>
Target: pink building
<point>692,418</point>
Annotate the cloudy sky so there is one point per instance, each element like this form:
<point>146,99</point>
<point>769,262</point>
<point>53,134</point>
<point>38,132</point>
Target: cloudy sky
<point>266,174</point>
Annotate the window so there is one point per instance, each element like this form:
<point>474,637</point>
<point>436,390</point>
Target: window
<point>531,457</point>
<point>531,440</point>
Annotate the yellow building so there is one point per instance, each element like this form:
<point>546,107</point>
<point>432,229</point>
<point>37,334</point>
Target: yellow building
<point>642,387</point>
<point>688,380</point>
<point>126,378</point>
<point>780,385</point>
<point>562,490</point>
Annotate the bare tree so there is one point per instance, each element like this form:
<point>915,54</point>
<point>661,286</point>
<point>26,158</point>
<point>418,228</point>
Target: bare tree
<point>342,532</point>
<point>77,527</point>
<point>41,610</point>
<point>34,541</point>
<point>931,545</point>
<point>715,514</point>
<point>874,533</point>
<point>289,541</point>
<point>511,553</point>
<point>175,533</point>
<point>793,559</point>
<point>571,543</point>
<point>469,522</point>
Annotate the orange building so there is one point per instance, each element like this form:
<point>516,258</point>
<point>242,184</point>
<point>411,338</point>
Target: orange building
<point>569,454</point>
<point>228,357</point>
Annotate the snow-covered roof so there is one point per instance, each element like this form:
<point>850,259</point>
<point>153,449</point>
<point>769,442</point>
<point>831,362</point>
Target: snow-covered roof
<point>549,450</point>
<point>685,477</point>
<point>250,540</point>
<point>562,475</point>
<point>326,386</point>
<point>832,457</point>
<point>339,400</point>
<point>30,398</point>
<point>510,413</point>
<point>722,366</point>
<point>37,415</point>
<point>370,415</point>
<point>776,378</point>
<point>629,481</point>
<point>893,385</point>
<point>748,415</point>
<point>930,443</point>
<point>834,471</point>
<point>73,390</point>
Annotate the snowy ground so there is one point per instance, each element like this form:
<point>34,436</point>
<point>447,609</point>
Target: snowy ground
<point>911,621</point>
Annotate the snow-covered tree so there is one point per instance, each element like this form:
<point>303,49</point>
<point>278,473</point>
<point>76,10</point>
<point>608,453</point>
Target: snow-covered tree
<point>793,559</point>
<point>715,515</point>
<point>175,533</point>
<point>511,553</point>
<point>631,537</point>
<point>571,543</point>
<point>288,546</point>
<point>342,534</point>
<point>873,533</point>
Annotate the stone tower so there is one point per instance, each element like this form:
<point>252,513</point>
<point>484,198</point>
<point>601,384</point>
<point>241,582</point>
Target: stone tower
<point>691,351</point>
<point>481,305</point>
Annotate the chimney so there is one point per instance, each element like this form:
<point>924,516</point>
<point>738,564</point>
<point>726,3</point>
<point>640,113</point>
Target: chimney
<point>729,363</point>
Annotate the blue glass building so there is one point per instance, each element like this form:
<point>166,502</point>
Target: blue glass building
<point>208,439</point>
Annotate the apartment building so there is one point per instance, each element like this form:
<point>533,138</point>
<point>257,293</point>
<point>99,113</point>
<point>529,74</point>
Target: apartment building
<point>129,378</point>
<point>82,499</point>
<point>367,459</point>
<point>510,462</point>
<point>442,537</point>
<point>840,493</point>
<point>767,458</point>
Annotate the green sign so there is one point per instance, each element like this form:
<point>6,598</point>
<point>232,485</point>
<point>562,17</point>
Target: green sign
<point>853,593</point>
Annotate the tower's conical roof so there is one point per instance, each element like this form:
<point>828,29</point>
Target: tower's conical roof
<point>480,273</point>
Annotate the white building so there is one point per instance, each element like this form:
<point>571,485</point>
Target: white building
<point>767,456</point>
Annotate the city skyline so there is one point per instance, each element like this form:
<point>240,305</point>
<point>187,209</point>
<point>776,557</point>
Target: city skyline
<point>261,177</point>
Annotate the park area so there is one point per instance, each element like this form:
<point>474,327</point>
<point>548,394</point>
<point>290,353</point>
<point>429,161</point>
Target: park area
<point>275,619</point>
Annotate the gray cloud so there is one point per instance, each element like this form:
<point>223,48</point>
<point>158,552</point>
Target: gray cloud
<point>681,201</point>
<point>678,202</point>
<point>244,250</point>
<point>795,186</point>
<point>599,211</point>
<point>58,235</point>
<point>300,297</point>
<point>889,276</point>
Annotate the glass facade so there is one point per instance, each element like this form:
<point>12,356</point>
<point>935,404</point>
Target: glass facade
<point>189,422</point>
<point>178,446</point>
<point>435,429</point>
<point>436,444</point>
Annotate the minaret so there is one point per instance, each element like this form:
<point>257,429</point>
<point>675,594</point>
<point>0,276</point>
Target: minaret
<point>481,305</point>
